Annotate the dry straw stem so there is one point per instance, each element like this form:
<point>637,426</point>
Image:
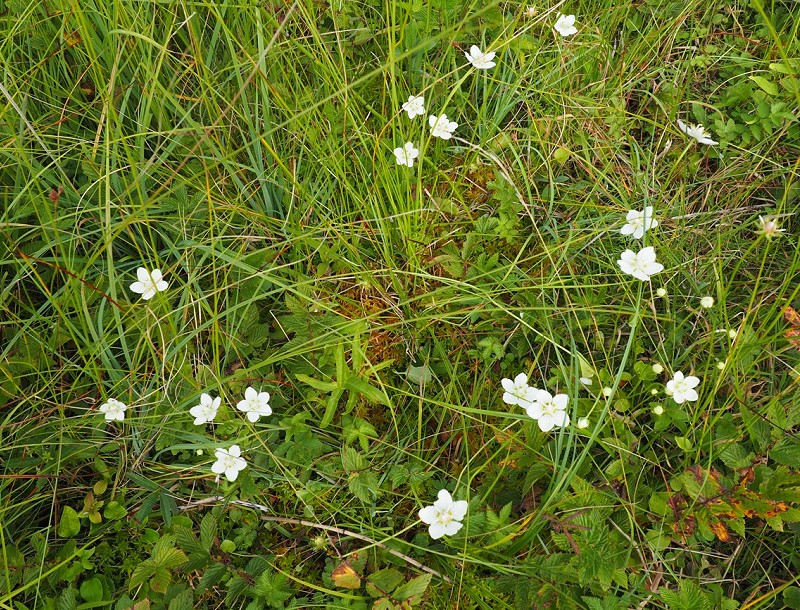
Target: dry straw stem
<point>328,528</point>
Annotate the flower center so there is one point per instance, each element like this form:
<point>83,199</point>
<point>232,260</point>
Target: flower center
<point>445,516</point>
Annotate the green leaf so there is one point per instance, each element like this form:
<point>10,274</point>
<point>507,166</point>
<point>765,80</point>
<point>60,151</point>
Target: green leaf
<point>141,573</point>
<point>782,68</point>
<point>273,587</point>
<point>364,486</point>
<point>787,452</point>
<point>352,459</point>
<point>791,597</point>
<point>342,372</point>
<point>168,508</point>
<point>70,524</point>
<point>213,574</point>
<point>182,601</point>
<point>169,558</point>
<point>419,375</point>
<point>735,456</point>
<point>561,155</point>
<point>92,590</point>
<point>657,539</point>
<point>160,580</point>
<point>114,510</point>
<point>414,588</point>
<point>330,409</point>
<point>767,85</point>
<point>208,531</point>
<point>373,394</point>
<point>322,386</point>
<point>383,582</point>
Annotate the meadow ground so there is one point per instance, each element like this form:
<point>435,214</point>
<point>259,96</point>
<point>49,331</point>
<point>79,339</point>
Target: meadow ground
<point>433,326</point>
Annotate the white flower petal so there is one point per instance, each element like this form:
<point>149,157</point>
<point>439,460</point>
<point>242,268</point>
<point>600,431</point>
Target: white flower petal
<point>428,514</point>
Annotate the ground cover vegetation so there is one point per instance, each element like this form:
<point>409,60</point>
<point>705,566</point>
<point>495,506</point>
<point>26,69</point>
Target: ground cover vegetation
<point>399,304</point>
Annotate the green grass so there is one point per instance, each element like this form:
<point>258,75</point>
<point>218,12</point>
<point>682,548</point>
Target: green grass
<point>245,149</point>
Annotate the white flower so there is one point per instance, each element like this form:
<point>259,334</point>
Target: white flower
<point>113,409</point>
<point>516,391</point>
<point>441,127</point>
<point>640,265</point>
<point>255,404</point>
<point>149,283</point>
<point>658,410</point>
<point>661,292</point>
<point>769,227</point>
<point>229,462</point>
<point>479,59</point>
<point>206,411</point>
<point>639,222</point>
<point>657,368</point>
<point>587,381</point>
<point>565,25</point>
<point>583,423</point>
<point>406,154</point>
<point>445,516</point>
<point>682,388</point>
<point>549,411</point>
<point>707,302</point>
<point>698,132</point>
<point>415,106</point>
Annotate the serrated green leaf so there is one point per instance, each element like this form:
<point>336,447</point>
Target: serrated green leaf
<point>273,587</point>
<point>787,452</point>
<point>185,539</point>
<point>169,558</point>
<point>352,459</point>
<point>182,601</point>
<point>68,600</point>
<point>364,486</point>
<point>212,576</point>
<point>414,588</point>
<point>735,456</point>
<point>160,580</point>
<point>141,573</point>
<point>383,582</point>
<point>70,524</point>
<point>168,508</point>
<point>208,531</point>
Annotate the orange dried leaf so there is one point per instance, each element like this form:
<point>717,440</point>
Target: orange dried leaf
<point>720,531</point>
<point>793,318</point>
<point>345,576</point>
